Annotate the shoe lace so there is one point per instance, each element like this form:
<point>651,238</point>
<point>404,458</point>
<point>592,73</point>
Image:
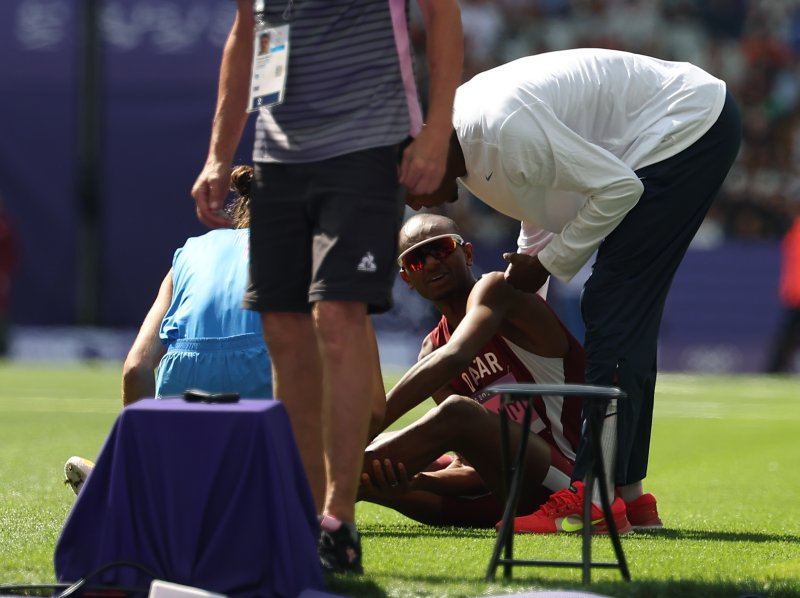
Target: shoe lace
<point>560,502</point>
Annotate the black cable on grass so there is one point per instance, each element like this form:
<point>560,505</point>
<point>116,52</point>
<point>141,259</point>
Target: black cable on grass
<point>82,581</point>
<point>48,590</point>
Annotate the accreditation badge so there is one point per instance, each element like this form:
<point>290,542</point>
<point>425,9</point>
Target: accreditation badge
<point>270,60</point>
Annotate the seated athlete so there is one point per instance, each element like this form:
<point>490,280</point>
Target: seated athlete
<point>489,333</point>
<point>196,332</point>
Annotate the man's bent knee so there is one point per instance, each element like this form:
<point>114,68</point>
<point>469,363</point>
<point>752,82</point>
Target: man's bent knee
<point>458,406</point>
<point>454,418</point>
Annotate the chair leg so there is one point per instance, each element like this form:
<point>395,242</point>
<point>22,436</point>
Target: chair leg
<point>586,548</point>
<point>513,487</point>
<point>599,474</point>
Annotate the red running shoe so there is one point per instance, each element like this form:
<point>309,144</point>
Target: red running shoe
<point>643,513</point>
<point>563,512</point>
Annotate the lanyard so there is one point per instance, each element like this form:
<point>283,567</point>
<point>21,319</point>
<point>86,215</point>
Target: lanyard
<point>259,9</point>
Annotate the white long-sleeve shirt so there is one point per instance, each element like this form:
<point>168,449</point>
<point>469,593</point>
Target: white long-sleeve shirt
<point>553,140</point>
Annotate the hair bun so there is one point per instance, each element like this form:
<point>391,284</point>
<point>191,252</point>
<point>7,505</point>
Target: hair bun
<point>241,180</point>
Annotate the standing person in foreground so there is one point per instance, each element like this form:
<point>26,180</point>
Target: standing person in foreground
<point>598,150</point>
<point>325,211</point>
<point>489,333</point>
<point>196,332</point>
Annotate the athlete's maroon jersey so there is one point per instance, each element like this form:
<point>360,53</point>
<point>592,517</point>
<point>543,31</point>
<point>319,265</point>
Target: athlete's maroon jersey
<point>556,419</point>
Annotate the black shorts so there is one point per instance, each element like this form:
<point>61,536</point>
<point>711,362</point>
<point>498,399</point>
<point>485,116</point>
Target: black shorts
<point>325,230</point>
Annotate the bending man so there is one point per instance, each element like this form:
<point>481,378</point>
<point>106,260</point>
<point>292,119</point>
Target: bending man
<point>598,150</point>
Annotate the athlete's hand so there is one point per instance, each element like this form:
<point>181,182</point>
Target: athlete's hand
<point>424,161</point>
<point>209,192</point>
<point>387,479</point>
<point>525,272</point>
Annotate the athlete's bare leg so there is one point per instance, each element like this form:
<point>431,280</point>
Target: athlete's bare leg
<point>434,509</point>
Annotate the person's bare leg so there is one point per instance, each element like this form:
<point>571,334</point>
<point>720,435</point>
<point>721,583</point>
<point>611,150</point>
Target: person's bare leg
<point>460,424</point>
<point>297,383</point>
<point>347,350</point>
<point>379,390</point>
<point>438,510</point>
<point>425,507</point>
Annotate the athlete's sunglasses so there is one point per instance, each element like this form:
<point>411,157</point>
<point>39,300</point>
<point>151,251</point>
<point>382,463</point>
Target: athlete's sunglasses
<point>440,247</point>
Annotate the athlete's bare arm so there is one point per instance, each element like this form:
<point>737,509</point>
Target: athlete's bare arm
<point>529,322</point>
<point>398,405</point>
<point>493,306</point>
<point>388,479</point>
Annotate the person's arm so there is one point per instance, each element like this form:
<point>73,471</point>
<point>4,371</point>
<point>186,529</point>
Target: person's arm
<point>487,307</point>
<point>424,160</point>
<point>138,379</point>
<point>211,187</point>
<point>532,240</point>
<point>525,272</point>
<point>398,405</point>
<point>542,152</point>
<point>388,480</point>
<point>605,207</point>
<point>456,479</point>
<point>425,506</point>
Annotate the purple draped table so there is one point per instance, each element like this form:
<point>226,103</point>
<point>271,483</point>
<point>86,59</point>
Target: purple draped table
<point>211,496</point>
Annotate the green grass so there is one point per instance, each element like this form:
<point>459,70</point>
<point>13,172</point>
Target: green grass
<point>723,461</point>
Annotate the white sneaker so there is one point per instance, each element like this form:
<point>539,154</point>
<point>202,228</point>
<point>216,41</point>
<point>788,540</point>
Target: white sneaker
<point>76,470</point>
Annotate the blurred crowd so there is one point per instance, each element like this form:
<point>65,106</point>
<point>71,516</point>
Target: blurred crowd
<point>753,45</point>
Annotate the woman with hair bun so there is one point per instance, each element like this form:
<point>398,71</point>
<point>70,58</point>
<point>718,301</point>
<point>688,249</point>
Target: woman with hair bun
<point>196,331</point>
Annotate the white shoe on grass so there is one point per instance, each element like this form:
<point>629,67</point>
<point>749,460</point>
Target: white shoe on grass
<point>76,470</point>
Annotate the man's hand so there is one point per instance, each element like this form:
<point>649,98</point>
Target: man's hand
<point>388,480</point>
<point>424,161</point>
<point>417,202</point>
<point>525,272</point>
<point>209,193</point>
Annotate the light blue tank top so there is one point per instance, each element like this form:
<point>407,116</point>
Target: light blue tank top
<point>209,276</point>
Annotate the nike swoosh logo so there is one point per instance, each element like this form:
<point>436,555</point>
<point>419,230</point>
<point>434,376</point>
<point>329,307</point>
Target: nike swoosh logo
<point>489,176</point>
<point>568,524</point>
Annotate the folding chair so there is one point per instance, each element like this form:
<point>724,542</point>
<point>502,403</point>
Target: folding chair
<point>599,395</point>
